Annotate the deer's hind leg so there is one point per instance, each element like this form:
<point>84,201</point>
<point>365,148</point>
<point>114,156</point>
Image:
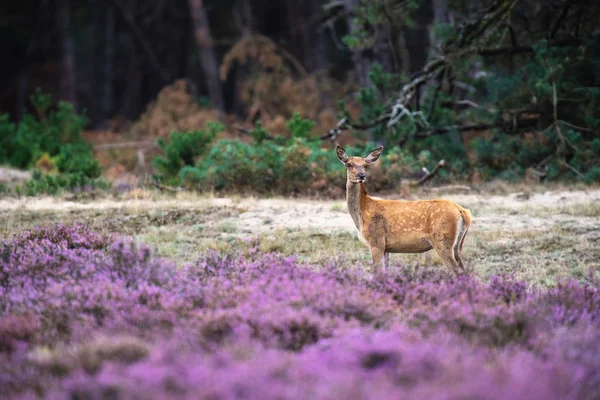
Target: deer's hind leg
<point>459,245</point>
<point>448,259</point>
<point>444,244</point>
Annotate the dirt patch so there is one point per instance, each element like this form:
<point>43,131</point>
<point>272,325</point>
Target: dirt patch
<point>256,216</point>
<point>13,175</point>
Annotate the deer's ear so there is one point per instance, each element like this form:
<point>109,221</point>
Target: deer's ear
<point>373,155</point>
<point>341,153</point>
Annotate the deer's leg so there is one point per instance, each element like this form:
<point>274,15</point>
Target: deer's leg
<point>447,256</point>
<point>444,246</point>
<point>460,262</point>
<point>386,256</point>
<point>445,240</point>
<point>459,244</point>
<point>378,255</point>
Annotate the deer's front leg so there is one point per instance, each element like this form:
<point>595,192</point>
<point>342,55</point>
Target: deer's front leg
<point>378,255</point>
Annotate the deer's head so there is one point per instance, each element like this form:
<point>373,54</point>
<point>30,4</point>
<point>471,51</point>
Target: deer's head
<point>356,167</point>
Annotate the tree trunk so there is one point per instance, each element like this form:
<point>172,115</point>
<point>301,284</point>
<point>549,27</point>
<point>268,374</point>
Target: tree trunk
<point>108,64</point>
<point>244,22</point>
<point>68,89</point>
<point>317,44</point>
<point>132,92</point>
<point>318,50</point>
<point>441,15</point>
<point>361,63</point>
<point>417,37</point>
<point>296,22</point>
<point>22,92</point>
<point>383,48</point>
<point>208,59</point>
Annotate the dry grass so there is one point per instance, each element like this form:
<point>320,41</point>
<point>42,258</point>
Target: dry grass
<point>539,239</point>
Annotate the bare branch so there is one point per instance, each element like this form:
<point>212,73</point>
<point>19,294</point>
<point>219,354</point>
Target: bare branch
<point>428,174</point>
<point>514,125</point>
<point>249,132</point>
<point>167,188</point>
<point>126,145</point>
<point>449,188</point>
<point>572,168</point>
<point>570,125</point>
<point>488,52</point>
<point>333,5</point>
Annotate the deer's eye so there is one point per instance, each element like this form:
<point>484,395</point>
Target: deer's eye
<point>349,165</point>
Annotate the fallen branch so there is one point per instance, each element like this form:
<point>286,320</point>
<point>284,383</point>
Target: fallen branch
<point>449,188</point>
<point>166,188</point>
<point>126,145</point>
<point>428,175</point>
<point>337,131</point>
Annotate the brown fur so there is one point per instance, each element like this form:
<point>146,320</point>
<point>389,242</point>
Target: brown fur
<point>398,226</point>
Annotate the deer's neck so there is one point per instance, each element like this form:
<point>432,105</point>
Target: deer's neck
<point>356,195</point>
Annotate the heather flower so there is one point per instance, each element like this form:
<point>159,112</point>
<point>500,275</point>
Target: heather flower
<point>86,316</point>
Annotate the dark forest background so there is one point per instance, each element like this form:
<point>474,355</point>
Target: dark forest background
<point>503,89</point>
<point>112,57</point>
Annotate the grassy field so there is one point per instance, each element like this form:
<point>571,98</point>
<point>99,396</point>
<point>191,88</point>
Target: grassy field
<point>539,236</point>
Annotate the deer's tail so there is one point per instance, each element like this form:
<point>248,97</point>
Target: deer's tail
<point>466,216</point>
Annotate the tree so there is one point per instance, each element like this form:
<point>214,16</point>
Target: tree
<point>68,87</point>
<point>361,64</point>
<point>206,51</point>
<point>506,67</point>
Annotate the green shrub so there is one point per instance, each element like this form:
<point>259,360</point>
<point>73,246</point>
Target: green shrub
<point>296,165</point>
<point>183,149</point>
<point>7,131</point>
<point>236,165</point>
<point>49,133</point>
<point>593,175</point>
<point>77,158</point>
<point>47,184</point>
<point>299,127</point>
<point>259,134</point>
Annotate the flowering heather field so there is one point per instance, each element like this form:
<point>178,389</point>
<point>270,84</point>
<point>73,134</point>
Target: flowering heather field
<point>87,316</point>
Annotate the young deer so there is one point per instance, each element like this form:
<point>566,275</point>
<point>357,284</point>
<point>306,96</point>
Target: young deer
<point>398,226</point>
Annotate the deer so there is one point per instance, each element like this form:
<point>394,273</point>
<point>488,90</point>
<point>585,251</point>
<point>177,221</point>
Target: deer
<point>402,226</point>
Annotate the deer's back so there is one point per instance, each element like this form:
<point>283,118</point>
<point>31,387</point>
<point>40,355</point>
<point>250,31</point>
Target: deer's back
<point>408,226</point>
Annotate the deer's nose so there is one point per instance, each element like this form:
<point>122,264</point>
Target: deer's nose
<point>361,175</point>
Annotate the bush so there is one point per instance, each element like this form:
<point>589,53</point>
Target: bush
<point>294,165</point>
<point>183,149</point>
<point>299,127</point>
<point>51,137</point>
<point>55,184</point>
<point>298,166</point>
<point>234,165</point>
<point>7,130</point>
<point>77,158</point>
